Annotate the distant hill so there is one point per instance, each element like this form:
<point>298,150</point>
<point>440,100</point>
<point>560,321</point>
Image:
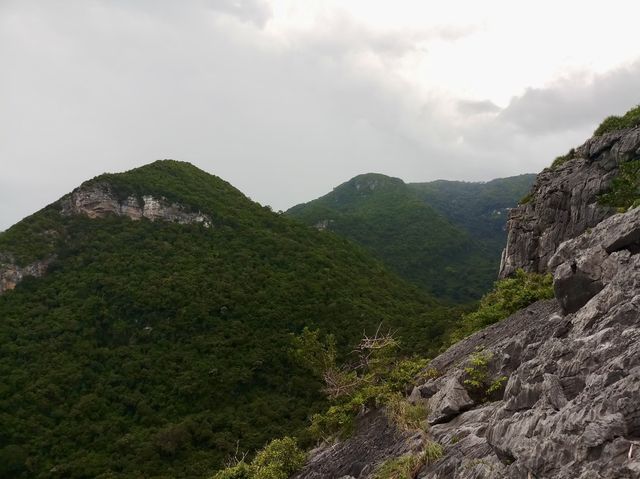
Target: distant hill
<point>146,321</point>
<point>444,236</point>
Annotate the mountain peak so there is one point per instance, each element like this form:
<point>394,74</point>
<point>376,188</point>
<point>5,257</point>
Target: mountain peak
<point>373,181</point>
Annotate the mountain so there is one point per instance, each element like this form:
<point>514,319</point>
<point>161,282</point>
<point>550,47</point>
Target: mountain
<point>147,320</point>
<point>553,390</point>
<point>480,208</point>
<point>444,236</point>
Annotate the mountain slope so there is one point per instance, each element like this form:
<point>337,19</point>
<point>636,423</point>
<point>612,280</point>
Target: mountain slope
<point>443,236</point>
<point>481,209</point>
<point>553,391</point>
<point>146,321</point>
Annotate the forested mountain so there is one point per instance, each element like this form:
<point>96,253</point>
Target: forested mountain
<point>444,236</point>
<point>146,323</point>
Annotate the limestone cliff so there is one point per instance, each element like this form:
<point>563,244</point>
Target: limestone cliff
<point>569,405</point>
<point>97,200</point>
<point>563,201</point>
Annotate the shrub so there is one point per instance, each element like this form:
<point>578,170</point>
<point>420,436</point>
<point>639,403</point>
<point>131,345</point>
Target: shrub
<point>561,160</point>
<point>508,296</point>
<point>279,459</point>
<point>625,188</point>
<point>477,382</point>
<point>613,123</point>
<point>406,415</point>
<point>376,377</point>
<point>409,465</point>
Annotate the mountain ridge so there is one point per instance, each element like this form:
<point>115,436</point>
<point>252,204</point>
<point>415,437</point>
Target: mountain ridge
<point>449,248</point>
<point>149,347</point>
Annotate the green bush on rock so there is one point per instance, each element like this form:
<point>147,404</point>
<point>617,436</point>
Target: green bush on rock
<point>278,460</point>
<point>613,123</point>
<point>508,296</point>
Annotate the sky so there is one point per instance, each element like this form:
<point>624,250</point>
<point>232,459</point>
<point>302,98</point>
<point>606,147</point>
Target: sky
<point>286,99</point>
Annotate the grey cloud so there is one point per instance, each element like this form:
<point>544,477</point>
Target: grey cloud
<point>93,88</point>
<point>575,101</point>
<point>255,11</point>
<point>469,107</point>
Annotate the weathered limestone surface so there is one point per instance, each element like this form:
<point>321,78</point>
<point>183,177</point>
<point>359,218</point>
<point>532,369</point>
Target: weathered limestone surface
<point>98,200</point>
<point>563,201</point>
<point>571,405</point>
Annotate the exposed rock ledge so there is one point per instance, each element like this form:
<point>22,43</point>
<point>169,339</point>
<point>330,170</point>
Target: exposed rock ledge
<point>571,406</point>
<point>98,200</point>
<point>564,203</point>
<point>11,274</point>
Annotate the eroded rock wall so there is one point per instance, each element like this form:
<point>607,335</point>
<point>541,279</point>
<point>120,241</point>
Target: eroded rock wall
<point>570,408</point>
<point>563,203</point>
<point>98,200</point>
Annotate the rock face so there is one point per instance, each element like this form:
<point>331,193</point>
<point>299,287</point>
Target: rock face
<point>98,200</point>
<point>11,274</point>
<point>563,201</point>
<point>567,405</point>
<point>571,405</point>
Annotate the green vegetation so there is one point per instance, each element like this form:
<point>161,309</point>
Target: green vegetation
<point>478,382</point>
<point>278,460</point>
<point>377,376</point>
<point>613,123</point>
<point>444,236</point>
<point>625,188</point>
<point>508,296</point>
<point>150,349</point>
<point>406,415</point>
<point>409,465</point>
<point>561,160</point>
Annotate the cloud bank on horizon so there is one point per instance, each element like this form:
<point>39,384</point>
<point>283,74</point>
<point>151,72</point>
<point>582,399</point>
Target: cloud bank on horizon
<point>288,98</point>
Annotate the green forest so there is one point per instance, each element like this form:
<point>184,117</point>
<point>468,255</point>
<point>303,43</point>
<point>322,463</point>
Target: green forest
<point>153,349</point>
<point>444,236</point>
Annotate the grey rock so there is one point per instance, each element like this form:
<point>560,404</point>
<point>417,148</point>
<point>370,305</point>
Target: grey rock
<point>97,200</point>
<point>375,440</point>
<point>571,406</point>
<point>448,402</point>
<point>564,202</point>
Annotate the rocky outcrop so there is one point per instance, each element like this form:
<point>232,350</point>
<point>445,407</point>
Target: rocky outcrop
<point>563,202</point>
<point>97,200</point>
<point>11,273</point>
<point>375,439</point>
<point>570,408</point>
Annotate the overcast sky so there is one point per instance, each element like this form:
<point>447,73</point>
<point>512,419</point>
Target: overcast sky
<point>288,98</point>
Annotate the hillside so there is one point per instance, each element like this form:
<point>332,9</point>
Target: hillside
<point>552,390</point>
<point>444,236</point>
<point>480,208</point>
<point>146,324</point>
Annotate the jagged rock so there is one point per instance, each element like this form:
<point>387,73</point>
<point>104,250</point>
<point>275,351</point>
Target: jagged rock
<point>97,200</point>
<point>563,202</point>
<point>571,406</point>
<point>376,439</point>
<point>448,402</point>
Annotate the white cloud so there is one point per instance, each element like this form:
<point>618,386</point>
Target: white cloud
<point>287,99</point>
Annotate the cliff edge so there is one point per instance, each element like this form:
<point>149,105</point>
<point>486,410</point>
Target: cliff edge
<point>564,374</point>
